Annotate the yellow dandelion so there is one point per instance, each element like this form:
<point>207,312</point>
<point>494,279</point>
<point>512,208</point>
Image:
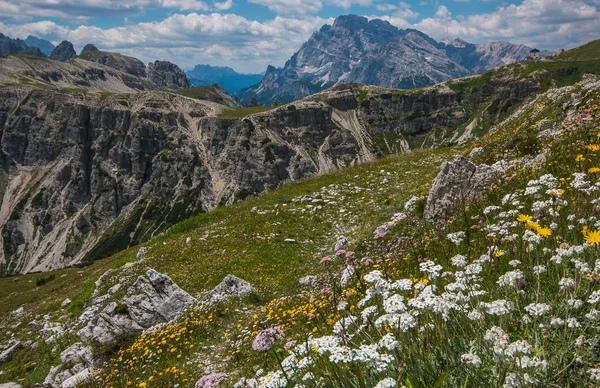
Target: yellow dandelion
<point>579,158</point>
<point>594,170</point>
<point>524,218</point>
<point>532,225</point>
<point>499,253</point>
<point>593,238</point>
<point>544,232</point>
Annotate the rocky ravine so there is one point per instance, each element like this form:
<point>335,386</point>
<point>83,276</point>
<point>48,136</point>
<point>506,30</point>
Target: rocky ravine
<point>84,175</point>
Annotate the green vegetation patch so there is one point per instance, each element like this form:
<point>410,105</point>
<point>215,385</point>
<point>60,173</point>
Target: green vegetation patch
<point>237,113</point>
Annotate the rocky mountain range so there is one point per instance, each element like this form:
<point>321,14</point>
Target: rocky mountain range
<point>10,46</point>
<point>226,77</point>
<point>355,49</point>
<point>88,171</point>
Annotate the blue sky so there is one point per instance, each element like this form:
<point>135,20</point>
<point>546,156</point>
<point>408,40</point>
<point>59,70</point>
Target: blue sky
<point>248,35</point>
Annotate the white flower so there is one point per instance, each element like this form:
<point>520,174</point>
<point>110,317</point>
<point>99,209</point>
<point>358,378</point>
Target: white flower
<point>474,315</point>
<point>514,263</point>
<point>518,347</point>
<point>511,381</point>
<point>539,269</point>
<point>498,307</point>
<point>575,303</point>
<point>394,304</point>
<point>459,261</point>
<point>566,283</point>
<point>594,374</point>
<point>388,342</point>
<point>556,322</point>
<point>456,238</point>
<point>470,359</point>
<point>388,382</point>
<point>594,297</point>
<point>580,341</point>
<point>431,269</point>
<point>510,278</point>
<point>573,323</point>
<point>593,315</point>
<point>538,309</point>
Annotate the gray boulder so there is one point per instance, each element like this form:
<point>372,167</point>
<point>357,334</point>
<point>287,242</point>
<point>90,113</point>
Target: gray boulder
<point>151,300</point>
<point>8,354</point>
<point>63,52</point>
<point>10,385</point>
<point>458,184</point>
<point>108,326</point>
<point>77,379</point>
<point>141,253</point>
<point>77,353</point>
<point>341,243</point>
<point>230,287</point>
<point>156,299</point>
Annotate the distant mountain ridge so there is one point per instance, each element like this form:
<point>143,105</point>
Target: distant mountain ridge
<point>226,77</point>
<point>9,46</point>
<point>357,50</point>
<point>44,45</point>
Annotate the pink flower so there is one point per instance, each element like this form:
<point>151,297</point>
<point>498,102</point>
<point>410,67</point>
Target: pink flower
<point>289,345</point>
<point>326,259</point>
<point>265,339</point>
<point>211,381</point>
<point>340,252</point>
<point>349,255</point>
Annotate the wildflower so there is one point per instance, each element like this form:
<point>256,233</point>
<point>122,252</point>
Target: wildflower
<point>456,238</point>
<point>544,232</point>
<point>266,338</point>
<point>388,382</point>
<point>532,225</point>
<point>325,259</point>
<point>289,345</point>
<point>573,323</point>
<point>593,147</point>
<point>211,381</point>
<point>579,158</point>
<point>594,170</point>
<point>524,218</point>
<point>538,309</point>
<point>471,359</point>
<point>593,238</point>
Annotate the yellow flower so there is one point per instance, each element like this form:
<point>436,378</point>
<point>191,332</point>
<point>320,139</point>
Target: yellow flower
<point>594,170</point>
<point>593,238</point>
<point>499,253</point>
<point>544,232</point>
<point>584,230</point>
<point>532,225</point>
<point>593,147</point>
<point>524,218</point>
<point>579,158</point>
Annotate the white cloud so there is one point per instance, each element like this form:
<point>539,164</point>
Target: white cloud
<point>547,24</point>
<point>220,39</point>
<point>401,10</point>
<point>81,9</point>
<point>306,7</point>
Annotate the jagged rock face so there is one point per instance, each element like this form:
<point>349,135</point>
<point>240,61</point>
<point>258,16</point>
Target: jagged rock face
<point>88,175</point>
<point>120,62</point>
<point>374,52</point>
<point>88,49</point>
<point>168,75</point>
<point>63,52</point>
<point>10,46</point>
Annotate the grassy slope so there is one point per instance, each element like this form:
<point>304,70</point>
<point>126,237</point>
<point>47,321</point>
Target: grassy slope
<point>235,239</point>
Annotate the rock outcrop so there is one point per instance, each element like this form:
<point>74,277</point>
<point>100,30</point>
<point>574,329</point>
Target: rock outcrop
<point>458,184</point>
<point>230,287</point>
<point>168,75</point>
<point>9,352</point>
<point>63,52</point>
<point>151,300</point>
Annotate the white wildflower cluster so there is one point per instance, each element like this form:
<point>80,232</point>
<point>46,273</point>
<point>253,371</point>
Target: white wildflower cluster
<point>527,300</point>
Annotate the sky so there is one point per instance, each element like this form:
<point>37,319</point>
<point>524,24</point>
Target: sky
<point>248,35</point>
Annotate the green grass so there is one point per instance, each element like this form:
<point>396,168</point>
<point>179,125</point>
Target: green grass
<point>200,92</point>
<point>238,113</point>
<point>474,82</point>
<point>564,73</point>
<point>587,52</point>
